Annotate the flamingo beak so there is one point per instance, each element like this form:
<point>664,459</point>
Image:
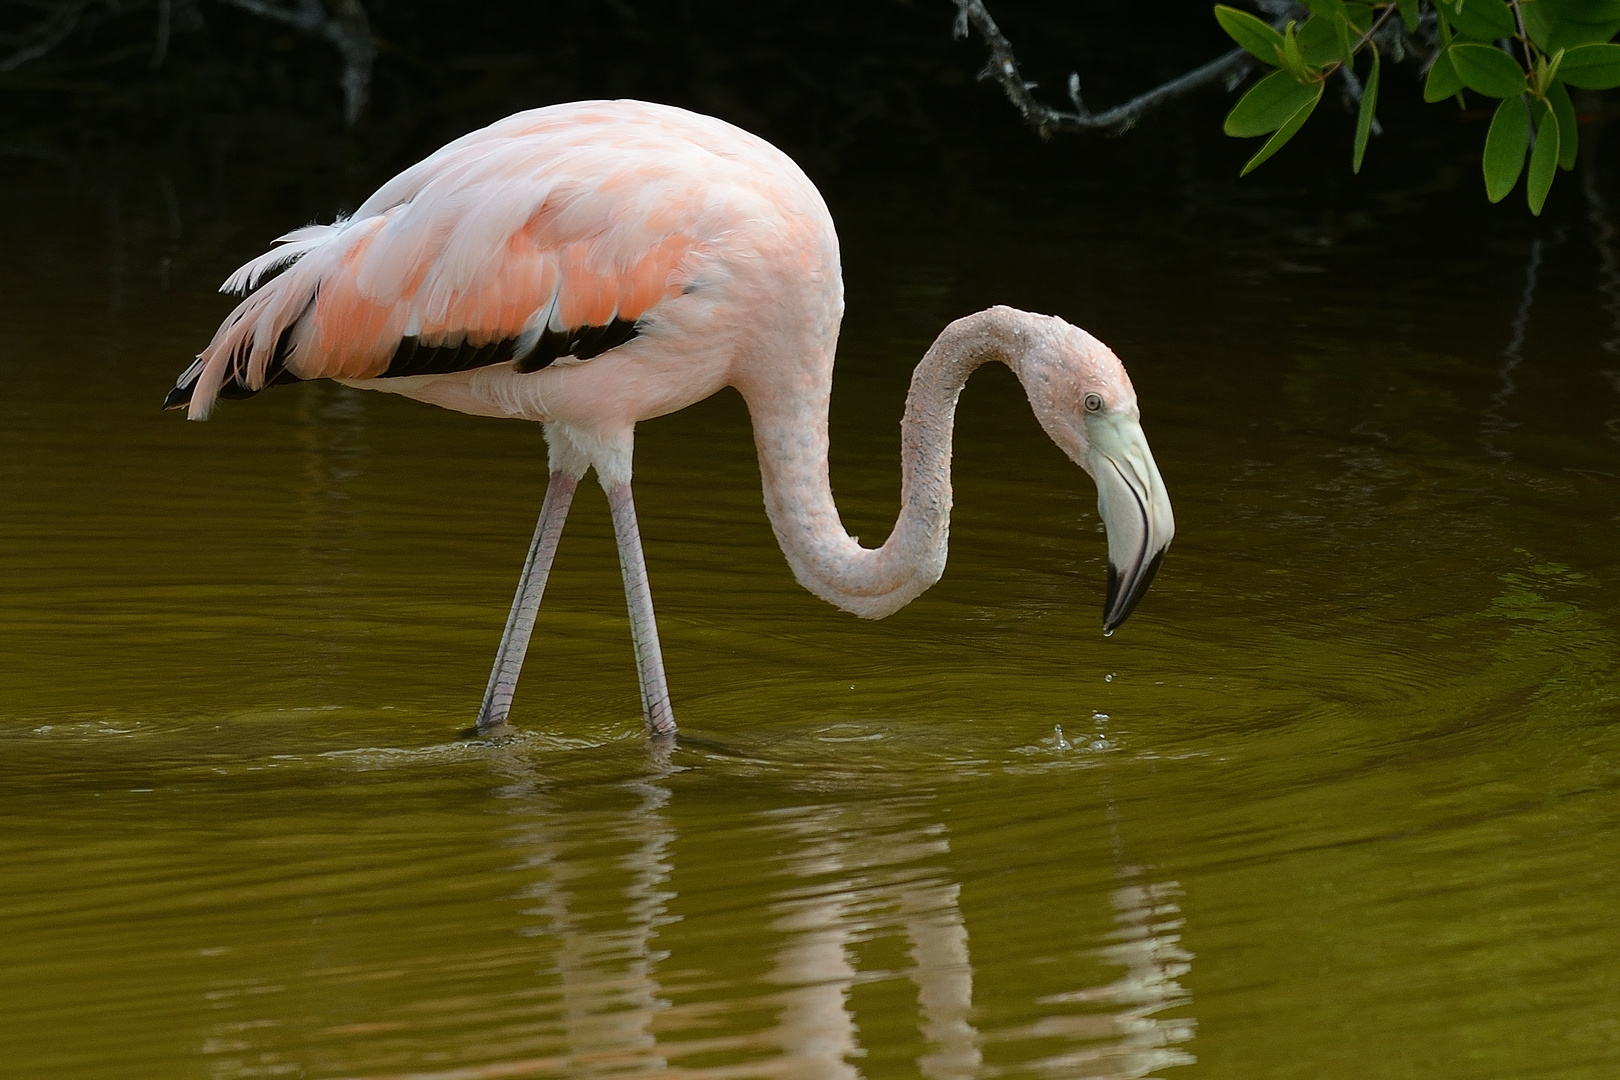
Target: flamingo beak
<point>1134,506</point>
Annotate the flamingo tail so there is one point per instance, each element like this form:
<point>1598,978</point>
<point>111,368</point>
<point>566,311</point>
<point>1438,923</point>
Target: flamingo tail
<point>250,351</point>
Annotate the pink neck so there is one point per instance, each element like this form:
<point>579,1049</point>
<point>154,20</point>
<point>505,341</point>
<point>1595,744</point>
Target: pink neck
<point>790,432</point>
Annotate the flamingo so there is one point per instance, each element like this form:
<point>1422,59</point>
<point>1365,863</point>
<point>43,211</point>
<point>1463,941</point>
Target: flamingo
<point>595,264</point>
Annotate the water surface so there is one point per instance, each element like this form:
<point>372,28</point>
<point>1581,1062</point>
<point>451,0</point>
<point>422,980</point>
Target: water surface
<point>1340,800</point>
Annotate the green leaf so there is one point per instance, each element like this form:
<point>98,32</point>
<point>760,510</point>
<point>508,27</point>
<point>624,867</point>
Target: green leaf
<point>1285,132</point>
<point>1592,67</point>
<point>1319,44</point>
<point>1568,23</point>
<point>1581,22</point>
<point>1328,9</point>
<point>1546,72</point>
<point>1361,16</point>
<point>1538,23</point>
<point>1482,20</point>
<point>1543,158</point>
<point>1487,70</point>
<point>1409,14</point>
<point>1347,44</point>
<point>1293,61</point>
<point>1364,117</point>
<point>1257,39</point>
<point>1568,132</point>
<point>1336,18</point>
<point>1572,35</point>
<point>1582,10</point>
<point>1443,80</point>
<point>1505,145</point>
<point>1270,103</point>
<point>1574,22</point>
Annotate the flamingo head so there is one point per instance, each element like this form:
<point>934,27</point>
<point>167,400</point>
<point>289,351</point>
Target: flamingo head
<point>1084,400</point>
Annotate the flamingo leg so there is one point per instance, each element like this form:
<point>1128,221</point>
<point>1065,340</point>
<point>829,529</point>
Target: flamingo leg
<point>655,706</point>
<point>526,604</point>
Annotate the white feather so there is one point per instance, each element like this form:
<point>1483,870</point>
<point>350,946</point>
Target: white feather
<point>291,247</point>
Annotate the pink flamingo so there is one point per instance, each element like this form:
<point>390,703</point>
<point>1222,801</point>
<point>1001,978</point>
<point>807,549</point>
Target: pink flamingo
<point>591,265</point>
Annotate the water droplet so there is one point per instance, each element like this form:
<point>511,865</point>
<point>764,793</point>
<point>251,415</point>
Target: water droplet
<point>1108,633</point>
<point>1057,733</point>
<point>1108,677</point>
<point>1099,716</point>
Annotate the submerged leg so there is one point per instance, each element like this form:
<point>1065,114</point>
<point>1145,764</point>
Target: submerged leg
<point>531,586</point>
<point>655,707</point>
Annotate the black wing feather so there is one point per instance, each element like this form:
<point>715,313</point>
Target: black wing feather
<point>414,358</point>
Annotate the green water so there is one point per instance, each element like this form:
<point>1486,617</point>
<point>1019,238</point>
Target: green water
<point>1340,800</point>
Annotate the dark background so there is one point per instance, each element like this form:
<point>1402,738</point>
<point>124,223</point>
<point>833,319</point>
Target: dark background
<point>177,142</point>
<point>845,77</point>
<point>841,85</point>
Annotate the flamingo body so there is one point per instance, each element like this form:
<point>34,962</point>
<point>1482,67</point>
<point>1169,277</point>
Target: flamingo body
<point>644,225</point>
<point>595,264</point>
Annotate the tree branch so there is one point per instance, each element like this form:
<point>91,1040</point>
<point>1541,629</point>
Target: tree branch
<point>60,20</point>
<point>347,29</point>
<point>1003,68</point>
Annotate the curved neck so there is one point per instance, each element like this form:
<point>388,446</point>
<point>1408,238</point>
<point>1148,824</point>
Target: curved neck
<point>790,432</point>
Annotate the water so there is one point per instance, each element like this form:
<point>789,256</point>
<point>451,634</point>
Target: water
<point>1340,800</point>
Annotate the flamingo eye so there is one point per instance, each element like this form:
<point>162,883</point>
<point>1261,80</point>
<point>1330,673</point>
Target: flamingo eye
<point>1093,402</point>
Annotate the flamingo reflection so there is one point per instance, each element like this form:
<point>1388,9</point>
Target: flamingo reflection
<point>631,1004</point>
<point>1131,1041</point>
<point>607,975</point>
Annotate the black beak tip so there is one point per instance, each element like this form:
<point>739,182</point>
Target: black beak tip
<point>1118,607</point>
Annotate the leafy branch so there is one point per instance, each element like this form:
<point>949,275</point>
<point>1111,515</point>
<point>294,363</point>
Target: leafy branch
<point>1305,56</point>
<point>1524,52</point>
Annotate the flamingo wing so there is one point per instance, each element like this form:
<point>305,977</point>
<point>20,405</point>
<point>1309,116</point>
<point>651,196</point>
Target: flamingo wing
<point>543,236</point>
